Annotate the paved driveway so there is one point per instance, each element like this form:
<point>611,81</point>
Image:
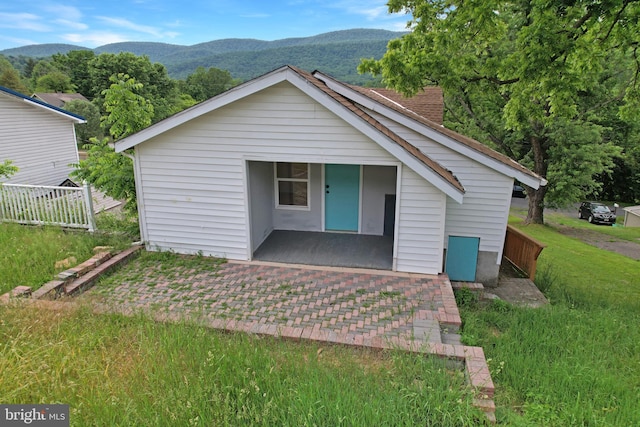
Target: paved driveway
<point>351,306</point>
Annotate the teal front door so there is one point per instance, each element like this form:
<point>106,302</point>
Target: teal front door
<point>462,258</point>
<point>342,197</point>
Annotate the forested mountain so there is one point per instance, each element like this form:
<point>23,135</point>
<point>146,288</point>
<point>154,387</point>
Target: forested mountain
<point>336,53</point>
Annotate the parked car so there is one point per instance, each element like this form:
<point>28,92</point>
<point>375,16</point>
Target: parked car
<point>518,191</point>
<point>596,213</point>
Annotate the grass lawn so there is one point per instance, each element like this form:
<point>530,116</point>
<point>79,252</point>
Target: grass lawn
<point>28,254</point>
<point>574,362</point>
<point>121,371</point>
<point>584,273</point>
<point>619,232</point>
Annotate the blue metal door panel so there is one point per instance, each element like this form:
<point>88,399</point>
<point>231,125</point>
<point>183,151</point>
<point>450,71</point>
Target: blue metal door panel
<point>462,258</point>
<point>342,197</point>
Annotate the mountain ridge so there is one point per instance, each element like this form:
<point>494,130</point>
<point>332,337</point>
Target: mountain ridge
<point>247,58</point>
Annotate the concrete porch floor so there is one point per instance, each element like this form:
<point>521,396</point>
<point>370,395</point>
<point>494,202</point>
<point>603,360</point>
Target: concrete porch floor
<point>327,249</point>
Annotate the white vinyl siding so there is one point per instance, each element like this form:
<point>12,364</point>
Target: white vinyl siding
<point>422,212</point>
<point>39,142</point>
<point>193,176</point>
<point>485,207</point>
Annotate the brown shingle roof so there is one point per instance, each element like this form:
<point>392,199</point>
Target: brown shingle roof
<point>414,151</point>
<point>438,127</point>
<point>428,103</point>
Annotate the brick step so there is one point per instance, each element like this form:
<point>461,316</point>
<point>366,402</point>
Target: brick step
<point>89,278</point>
<point>85,267</point>
<point>84,275</point>
<point>427,330</point>
<point>17,292</point>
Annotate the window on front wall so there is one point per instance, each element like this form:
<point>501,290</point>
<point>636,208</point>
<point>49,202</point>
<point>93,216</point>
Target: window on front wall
<point>292,185</point>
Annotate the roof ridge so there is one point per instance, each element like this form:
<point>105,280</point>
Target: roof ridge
<point>435,166</point>
<point>440,128</point>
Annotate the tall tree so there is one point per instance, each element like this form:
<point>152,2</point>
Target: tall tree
<point>521,76</point>
<point>157,86</point>
<point>10,77</point>
<point>55,81</point>
<point>203,84</point>
<point>128,112</point>
<point>76,65</point>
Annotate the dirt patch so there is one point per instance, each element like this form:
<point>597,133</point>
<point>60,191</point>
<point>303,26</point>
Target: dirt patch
<point>602,241</point>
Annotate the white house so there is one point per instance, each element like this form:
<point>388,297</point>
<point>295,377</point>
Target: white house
<point>291,150</point>
<point>38,137</point>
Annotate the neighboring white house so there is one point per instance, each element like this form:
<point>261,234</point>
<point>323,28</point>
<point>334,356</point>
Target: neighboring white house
<point>632,216</point>
<point>38,137</point>
<point>292,150</point>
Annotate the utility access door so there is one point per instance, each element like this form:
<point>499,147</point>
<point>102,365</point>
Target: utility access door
<point>462,258</point>
<point>342,197</point>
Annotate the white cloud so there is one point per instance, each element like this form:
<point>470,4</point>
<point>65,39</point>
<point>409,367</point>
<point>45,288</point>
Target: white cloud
<point>23,21</point>
<point>95,38</point>
<point>376,10</point>
<point>372,13</point>
<point>67,16</point>
<point>66,13</point>
<point>125,23</point>
<point>72,24</point>
<point>18,41</point>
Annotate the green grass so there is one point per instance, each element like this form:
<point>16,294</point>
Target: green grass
<point>560,366</point>
<point>122,371</point>
<point>28,254</point>
<point>619,232</point>
<point>585,273</point>
<point>574,362</point>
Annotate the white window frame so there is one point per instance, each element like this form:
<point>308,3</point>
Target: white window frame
<point>277,188</point>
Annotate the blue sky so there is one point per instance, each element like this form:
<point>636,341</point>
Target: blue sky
<point>95,23</point>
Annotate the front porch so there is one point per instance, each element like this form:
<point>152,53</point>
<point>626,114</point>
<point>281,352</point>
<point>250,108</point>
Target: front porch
<point>327,249</point>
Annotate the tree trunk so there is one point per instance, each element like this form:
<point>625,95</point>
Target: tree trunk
<point>535,214</point>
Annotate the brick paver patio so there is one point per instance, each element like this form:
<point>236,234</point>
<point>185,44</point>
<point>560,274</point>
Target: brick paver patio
<point>370,308</point>
<point>351,306</point>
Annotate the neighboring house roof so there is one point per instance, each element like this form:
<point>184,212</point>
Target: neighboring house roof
<point>428,103</point>
<point>41,104</point>
<point>58,99</point>
<point>448,137</point>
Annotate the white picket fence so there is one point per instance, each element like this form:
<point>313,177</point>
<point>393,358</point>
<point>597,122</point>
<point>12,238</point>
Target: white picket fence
<point>47,205</point>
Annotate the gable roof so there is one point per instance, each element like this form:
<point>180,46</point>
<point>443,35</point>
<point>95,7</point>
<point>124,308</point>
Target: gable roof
<point>420,163</point>
<point>370,98</point>
<point>41,104</point>
<point>58,99</point>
